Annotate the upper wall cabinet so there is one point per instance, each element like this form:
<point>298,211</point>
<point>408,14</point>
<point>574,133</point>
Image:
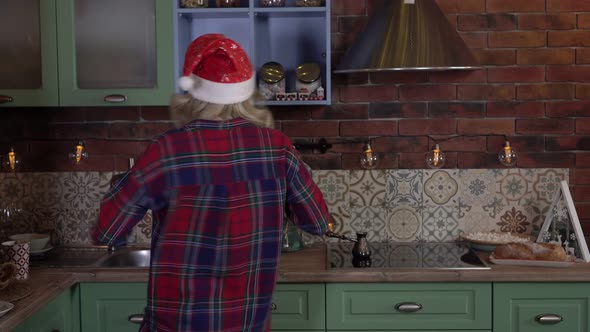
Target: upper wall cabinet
<point>108,52</point>
<point>292,34</point>
<point>28,56</point>
<point>115,52</point>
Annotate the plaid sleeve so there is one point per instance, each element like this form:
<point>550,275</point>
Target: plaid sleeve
<point>126,203</point>
<point>304,199</point>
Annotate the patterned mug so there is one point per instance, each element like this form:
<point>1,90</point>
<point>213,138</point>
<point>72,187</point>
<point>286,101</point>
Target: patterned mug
<point>18,253</point>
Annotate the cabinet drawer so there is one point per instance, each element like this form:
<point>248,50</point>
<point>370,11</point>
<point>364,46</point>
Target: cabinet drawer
<point>299,307</point>
<point>409,306</point>
<point>517,306</point>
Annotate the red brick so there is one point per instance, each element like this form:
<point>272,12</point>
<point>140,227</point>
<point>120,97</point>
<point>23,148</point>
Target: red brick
<point>412,160</point>
<point>546,160</point>
<point>409,77</point>
<point>568,5</point>
<point>545,56</point>
<point>138,130</point>
<point>282,113</point>
<point>386,161</point>
<point>495,57</point>
<point>515,109</point>
<point>458,76</point>
<point>428,92</point>
<point>311,129</point>
<point>113,147</point>
<point>582,193</point>
<point>584,21</point>
<point>568,73</point>
<point>583,159</point>
<point>368,128</point>
<point>517,39</point>
<point>580,176</point>
<point>464,143</point>
<point>519,143</point>
<point>341,111</point>
<point>583,91</point>
<point>400,144</point>
<point>467,160</point>
<point>368,93</point>
<point>154,113</point>
<point>397,110</point>
<point>471,6</point>
<point>568,108</point>
<point>78,131</point>
<point>350,79</point>
<point>410,127</point>
<point>475,40</point>
<point>485,127</point>
<point>494,6</point>
<point>341,42</point>
<point>582,56</point>
<point>572,38</point>
<point>493,22</point>
<point>516,74</point>
<point>546,21</point>
<point>544,91</point>
<point>544,126</point>
<point>583,126</point>
<point>456,110</point>
<point>113,113</point>
<point>322,161</point>
<point>447,6</point>
<point>568,143</point>
<point>486,92</point>
<point>351,24</point>
<point>348,7</point>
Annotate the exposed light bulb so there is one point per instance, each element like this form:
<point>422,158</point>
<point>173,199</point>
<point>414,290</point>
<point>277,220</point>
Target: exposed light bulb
<point>78,153</point>
<point>369,159</point>
<point>435,158</point>
<point>12,160</point>
<point>507,156</point>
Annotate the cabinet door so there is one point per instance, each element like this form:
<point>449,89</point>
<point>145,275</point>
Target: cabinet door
<point>28,56</point>
<point>61,314</point>
<point>300,307</point>
<point>106,307</point>
<point>115,52</point>
<point>547,307</point>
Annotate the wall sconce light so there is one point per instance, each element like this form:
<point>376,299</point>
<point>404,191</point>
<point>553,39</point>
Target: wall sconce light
<point>507,156</point>
<point>79,153</point>
<point>12,160</point>
<point>368,158</point>
<point>435,158</point>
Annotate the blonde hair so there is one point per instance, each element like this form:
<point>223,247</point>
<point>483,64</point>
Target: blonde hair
<point>185,108</point>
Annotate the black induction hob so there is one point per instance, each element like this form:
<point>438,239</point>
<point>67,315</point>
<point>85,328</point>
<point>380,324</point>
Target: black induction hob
<point>405,255</point>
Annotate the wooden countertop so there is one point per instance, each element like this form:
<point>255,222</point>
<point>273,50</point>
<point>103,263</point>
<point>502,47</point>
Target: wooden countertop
<point>305,266</point>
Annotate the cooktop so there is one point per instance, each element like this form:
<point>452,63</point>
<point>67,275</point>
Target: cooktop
<point>405,255</point>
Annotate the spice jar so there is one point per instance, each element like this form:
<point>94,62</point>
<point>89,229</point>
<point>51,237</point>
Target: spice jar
<point>272,80</point>
<point>227,3</point>
<point>308,78</point>
<point>194,3</point>
<point>272,3</point>
<point>308,3</point>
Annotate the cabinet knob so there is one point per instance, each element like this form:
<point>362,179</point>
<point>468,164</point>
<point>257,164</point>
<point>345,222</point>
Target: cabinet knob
<point>408,307</point>
<point>6,99</point>
<point>136,318</point>
<point>115,98</point>
<point>273,307</point>
<point>548,319</point>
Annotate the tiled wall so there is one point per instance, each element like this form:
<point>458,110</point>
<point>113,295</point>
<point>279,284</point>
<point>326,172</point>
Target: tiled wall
<point>391,205</point>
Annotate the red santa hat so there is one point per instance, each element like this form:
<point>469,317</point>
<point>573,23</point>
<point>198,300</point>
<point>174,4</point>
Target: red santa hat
<point>217,70</point>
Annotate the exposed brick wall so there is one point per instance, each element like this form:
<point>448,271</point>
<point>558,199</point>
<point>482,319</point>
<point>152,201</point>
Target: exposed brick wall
<point>534,87</point>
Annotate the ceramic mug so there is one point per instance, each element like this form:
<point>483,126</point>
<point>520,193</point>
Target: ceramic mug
<point>17,252</point>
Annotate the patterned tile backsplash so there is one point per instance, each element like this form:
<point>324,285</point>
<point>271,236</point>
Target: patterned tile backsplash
<point>390,205</point>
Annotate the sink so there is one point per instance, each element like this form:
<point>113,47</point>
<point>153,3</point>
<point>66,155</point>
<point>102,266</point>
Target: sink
<point>126,258</point>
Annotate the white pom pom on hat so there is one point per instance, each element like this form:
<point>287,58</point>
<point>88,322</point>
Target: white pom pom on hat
<point>217,70</point>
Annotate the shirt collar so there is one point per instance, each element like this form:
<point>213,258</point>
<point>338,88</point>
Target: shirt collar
<point>221,124</point>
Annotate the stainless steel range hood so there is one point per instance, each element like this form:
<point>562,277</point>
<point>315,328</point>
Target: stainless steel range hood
<point>407,35</point>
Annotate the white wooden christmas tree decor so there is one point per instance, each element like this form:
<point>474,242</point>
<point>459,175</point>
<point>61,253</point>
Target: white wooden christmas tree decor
<point>562,225</point>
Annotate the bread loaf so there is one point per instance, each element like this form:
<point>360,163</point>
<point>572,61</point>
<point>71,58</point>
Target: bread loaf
<point>531,251</point>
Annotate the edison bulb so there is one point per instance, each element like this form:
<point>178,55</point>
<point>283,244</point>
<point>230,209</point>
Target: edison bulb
<point>12,160</point>
<point>368,158</point>
<point>435,158</point>
<point>507,156</point>
<point>79,153</point>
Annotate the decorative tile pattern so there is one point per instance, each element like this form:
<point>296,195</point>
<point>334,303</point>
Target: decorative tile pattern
<point>404,224</point>
<point>367,188</point>
<point>440,187</point>
<point>404,187</point>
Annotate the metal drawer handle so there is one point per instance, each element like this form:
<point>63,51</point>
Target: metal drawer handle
<point>136,318</point>
<point>408,307</point>
<point>548,319</point>
<point>273,307</point>
<point>6,99</point>
<point>115,98</point>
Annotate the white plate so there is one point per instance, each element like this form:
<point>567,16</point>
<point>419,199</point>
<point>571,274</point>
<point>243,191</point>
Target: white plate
<point>527,262</point>
<point>5,307</point>
<point>39,252</point>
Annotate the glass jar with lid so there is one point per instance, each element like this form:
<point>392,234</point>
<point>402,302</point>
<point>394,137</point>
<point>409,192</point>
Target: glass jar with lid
<point>309,3</point>
<point>227,3</point>
<point>272,80</point>
<point>272,3</point>
<point>194,3</point>
<point>308,78</point>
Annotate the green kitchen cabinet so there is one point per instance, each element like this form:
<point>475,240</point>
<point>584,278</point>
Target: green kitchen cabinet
<point>106,307</point>
<point>541,307</point>
<point>409,306</point>
<point>299,307</point>
<point>28,56</point>
<point>61,314</point>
